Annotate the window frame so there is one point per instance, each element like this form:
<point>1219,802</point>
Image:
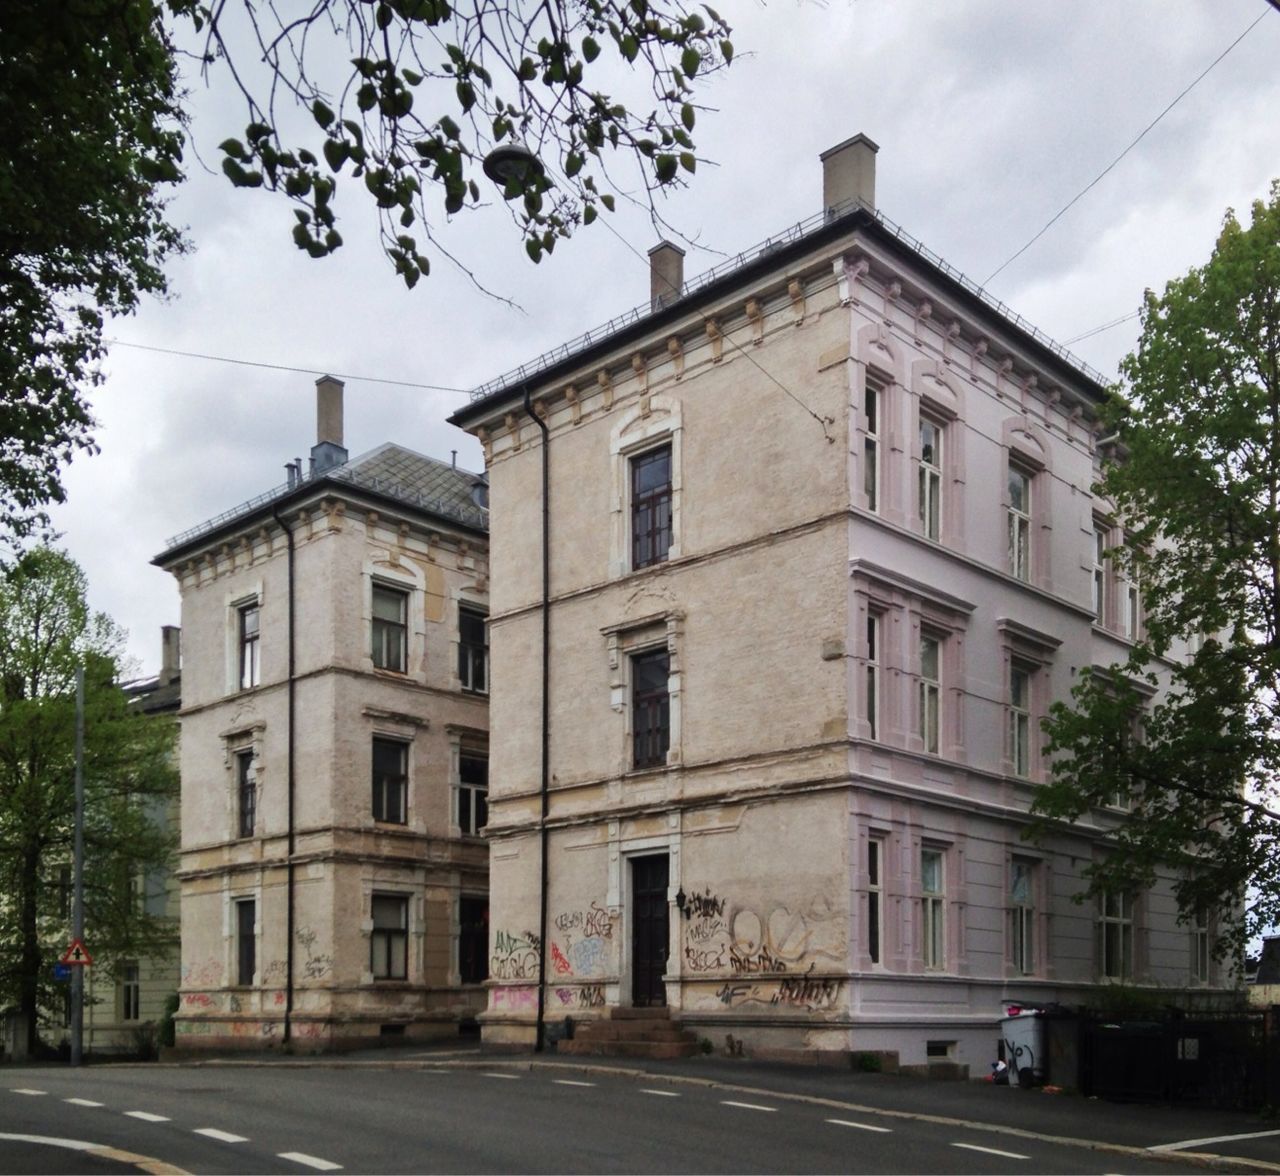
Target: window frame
<point>246,786</point>
<point>130,991</point>
<point>382,628</point>
<point>1023,916</point>
<point>469,653</point>
<point>1102,569</point>
<point>875,388</point>
<point>642,702</point>
<point>382,787</point>
<point>1020,521</point>
<point>933,910</point>
<point>656,500</point>
<point>875,899</point>
<point>929,477</point>
<point>472,795</point>
<point>249,644</point>
<point>478,956</point>
<point>929,692</point>
<point>388,937</point>
<point>1020,709</point>
<point>872,684</point>
<point>1116,917</point>
<point>1201,946</point>
<point>246,941</point>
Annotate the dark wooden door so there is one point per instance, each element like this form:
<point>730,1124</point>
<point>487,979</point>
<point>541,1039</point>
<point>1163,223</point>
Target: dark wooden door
<point>649,930</point>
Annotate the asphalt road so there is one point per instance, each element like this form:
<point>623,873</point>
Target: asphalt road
<point>430,1118</point>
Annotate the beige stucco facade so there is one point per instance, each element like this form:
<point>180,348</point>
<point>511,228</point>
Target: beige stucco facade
<point>837,879</point>
<point>320,855</point>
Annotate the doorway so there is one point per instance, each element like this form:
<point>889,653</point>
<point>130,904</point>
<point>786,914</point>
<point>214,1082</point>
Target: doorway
<point>649,930</point>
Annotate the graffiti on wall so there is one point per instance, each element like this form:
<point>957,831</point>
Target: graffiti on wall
<point>594,921</point>
<point>516,997</point>
<point>723,935</point>
<point>515,957</point>
<point>585,996</point>
<point>586,939</point>
<point>316,965</point>
<point>807,991</point>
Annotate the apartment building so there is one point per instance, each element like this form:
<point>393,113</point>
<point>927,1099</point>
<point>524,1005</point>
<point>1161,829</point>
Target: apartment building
<point>820,550</point>
<point>334,883</point>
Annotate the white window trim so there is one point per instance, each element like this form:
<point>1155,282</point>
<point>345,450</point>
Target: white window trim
<point>471,740</point>
<point>1028,914</point>
<point>468,602</point>
<point>233,602</point>
<point>931,474</point>
<point>934,913</point>
<point>650,425</point>
<point>396,887</point>
<point>1126,921</point>
<point>231,935</point>
<point>234,744</point>
<point>1021,525</point>
<point>402,576</point>
<point>875,385</point>
<point>623,641</point>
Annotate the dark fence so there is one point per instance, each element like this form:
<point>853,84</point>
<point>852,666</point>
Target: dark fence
<point>1229,1060</point>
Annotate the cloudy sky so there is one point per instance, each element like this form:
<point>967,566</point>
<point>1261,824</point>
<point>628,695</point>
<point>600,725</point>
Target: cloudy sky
<point>991,115</point>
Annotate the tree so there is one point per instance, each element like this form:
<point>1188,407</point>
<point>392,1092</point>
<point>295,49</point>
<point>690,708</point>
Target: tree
<point>405,98</point>
<point>1195,478</point>
<point>46,630</point>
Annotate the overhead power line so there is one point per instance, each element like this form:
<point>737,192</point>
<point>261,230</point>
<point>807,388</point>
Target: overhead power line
<point>1124,318</point>
<point>281,367</point>
<point>1062,211</point>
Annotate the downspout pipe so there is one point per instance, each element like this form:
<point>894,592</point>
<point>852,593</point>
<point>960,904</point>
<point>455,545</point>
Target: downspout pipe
<point>540,1039</point>
<point>287,1034</point>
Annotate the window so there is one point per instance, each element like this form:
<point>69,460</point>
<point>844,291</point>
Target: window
<point>875,897</point>
<point>650,708</point>
<point>130,992</point>
<point>246,794</point>
<point>1100,545</point>
<point>473,940</point>
<point>930,691</point>
<point>1200,945</point>
<point>873,675</point>
<point>1022,915</point>
<point>1115,934</point>
<point>1020,720</point>
<point>389,943</point>
<point>930,476</point>
<point>473,650</point>
<point>1132,605</point>
<point>871,444</point>
<point>390,780</point>
<point>473,791</point>
<point>933,908</point>
<point>248,622</point>
<point>246,942</point>
<point>390,628</point>
<point>650,507</point>
<point>1019,523</point>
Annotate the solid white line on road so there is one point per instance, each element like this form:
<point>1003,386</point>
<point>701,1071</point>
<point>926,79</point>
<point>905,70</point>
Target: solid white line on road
<point>860,1126</point>
<point>1166,1147</point>
<point>992,1151</point>
<point>661,1093</point>
<point>724,1102</point>
<point>221,1136</point>
<point>310,1161</point>
<point>497,1075</point>
<point>82,1102</point>
<point>26,1090</point>
<point>570,1082</point>
<point>147,1116</point>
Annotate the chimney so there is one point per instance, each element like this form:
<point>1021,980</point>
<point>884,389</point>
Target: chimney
<point>666,274</point>
<point>849,174</point>
<point>328,451</point>
<point>170,654</point>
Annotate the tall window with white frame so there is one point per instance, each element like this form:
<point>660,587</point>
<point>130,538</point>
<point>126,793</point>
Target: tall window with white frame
<point>246,794</point>
<point>1201,955</point>
<point>246,942</point>
<point>1132,604</point>
<point>930,478</point>
<point>933,912</point>
<point>1019,522</point>
<point>389,940</point>
<point>473,791</point>
<point>1115,934</point>
<point>872,401</point>
<point>930,700</point>
<point>873,675</point>
<point>248,623</point>
<point>390,629</point>
<point>130,992</point>
<point>473,650</point>
<point>650,708</point>
<point>1022,915</point>
<point>875,898</point>
<point>1100,544</point>
<point>1020,719</point>
<point>390,780</point>
<point>650,507</point>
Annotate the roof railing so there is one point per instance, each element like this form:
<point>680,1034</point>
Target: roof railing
<point>528,371</point>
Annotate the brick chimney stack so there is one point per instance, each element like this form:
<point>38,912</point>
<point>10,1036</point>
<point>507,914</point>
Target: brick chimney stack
<point>170,654</point>
<point>328,450</point>
<point>849,173</point>
<point>666,274</point>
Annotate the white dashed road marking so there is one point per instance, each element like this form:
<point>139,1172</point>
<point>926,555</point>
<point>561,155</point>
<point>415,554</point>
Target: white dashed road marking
<point>147,1116</point>
<point>221,1136</point>
<point>25,1090</point>
<point>859,1126</point>
<point>746,1106</point>
<point>991,1151</point>
<point>570,1082</point>
<point>1166,1147</point>
<point>661,1093</point>
<point>82,1102</point>
<point>513,1077</point>
<point>310,1161</point>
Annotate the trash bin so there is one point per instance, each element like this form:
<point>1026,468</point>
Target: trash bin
<point>1022,1030</point>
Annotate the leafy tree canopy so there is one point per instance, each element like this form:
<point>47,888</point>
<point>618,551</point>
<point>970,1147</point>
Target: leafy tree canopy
<point>401,99</point>
<point>1195,479</point>
<point>46,630</point>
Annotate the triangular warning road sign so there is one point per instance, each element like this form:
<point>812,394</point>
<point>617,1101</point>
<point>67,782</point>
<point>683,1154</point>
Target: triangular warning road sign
<point>77,954</point>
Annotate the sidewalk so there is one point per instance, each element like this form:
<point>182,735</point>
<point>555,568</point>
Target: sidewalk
<point>1008,1109</point>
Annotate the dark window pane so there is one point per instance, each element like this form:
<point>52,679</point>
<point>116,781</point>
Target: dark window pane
<point>473,939</point>
<point>390,628</point>
<point>246,793</point>
<point>650,711</point>
<point>246,943</point>
<point>650,507</point>
<point>473,650</point>
<point>390,780</point>
<point>388,943</point>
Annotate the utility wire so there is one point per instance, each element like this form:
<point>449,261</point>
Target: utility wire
<point>1058,215</point>
<point>1124,318</point>
<point>280,367</point>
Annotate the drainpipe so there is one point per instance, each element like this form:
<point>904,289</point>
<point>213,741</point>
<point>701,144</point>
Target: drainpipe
<point>541,1031</point>
<point>288,950</point>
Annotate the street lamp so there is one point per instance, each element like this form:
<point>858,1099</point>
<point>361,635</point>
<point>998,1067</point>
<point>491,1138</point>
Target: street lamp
<point>512,161</point>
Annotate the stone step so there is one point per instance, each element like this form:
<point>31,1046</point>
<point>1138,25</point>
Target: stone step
<point>659,1050</point>
<point>651,1013</point>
